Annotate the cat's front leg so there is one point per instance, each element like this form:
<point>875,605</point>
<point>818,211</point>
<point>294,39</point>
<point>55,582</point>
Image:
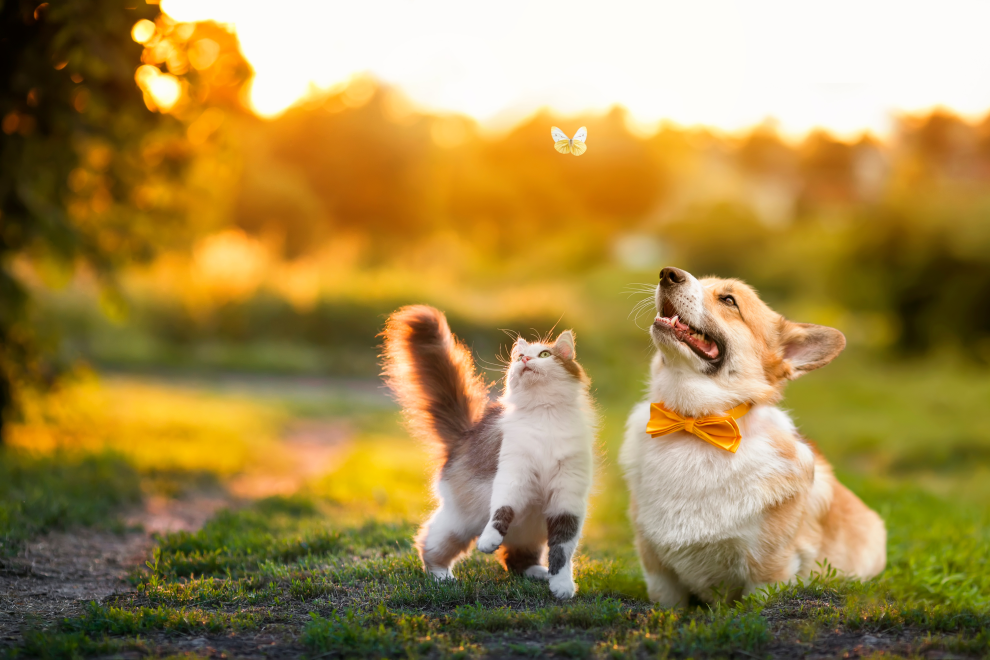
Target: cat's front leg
<point>563,532</point>
<point>496,529</point>
<point>509,497</point>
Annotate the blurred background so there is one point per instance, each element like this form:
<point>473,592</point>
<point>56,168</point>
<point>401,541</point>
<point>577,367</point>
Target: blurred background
<point>207,211</point>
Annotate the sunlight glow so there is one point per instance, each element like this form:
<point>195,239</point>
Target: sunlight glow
<point>846,65</point>
<point>162,90</point>
<point>143,30</point>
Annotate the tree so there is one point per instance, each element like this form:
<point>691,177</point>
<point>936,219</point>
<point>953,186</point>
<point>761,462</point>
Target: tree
<point>89,159</point>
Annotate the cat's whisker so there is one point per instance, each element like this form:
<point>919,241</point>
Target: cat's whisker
<point>511,333</point>
<point>550,334</point>
<point>490,366</point>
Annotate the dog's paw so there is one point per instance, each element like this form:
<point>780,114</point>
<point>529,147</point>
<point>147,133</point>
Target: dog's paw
<point>562,586</point>
<point>442,574</point>
<point>537,572</point>
<point>489,540</point>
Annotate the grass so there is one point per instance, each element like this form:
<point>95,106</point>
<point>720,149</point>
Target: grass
<point>42,492</point>
<point>331,572</point>
<point>921,423</point>
<point>155,427</point>
<point>358,591</point>
<point>87,449</point>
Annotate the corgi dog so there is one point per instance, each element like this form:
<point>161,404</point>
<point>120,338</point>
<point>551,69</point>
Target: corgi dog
<point>726,496</point>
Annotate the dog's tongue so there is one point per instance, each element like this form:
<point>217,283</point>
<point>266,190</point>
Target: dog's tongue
<point>685,334</point>
<point>709,347</point>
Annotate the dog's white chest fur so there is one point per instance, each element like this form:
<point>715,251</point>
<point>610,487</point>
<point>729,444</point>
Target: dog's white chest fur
<point>699,505</point>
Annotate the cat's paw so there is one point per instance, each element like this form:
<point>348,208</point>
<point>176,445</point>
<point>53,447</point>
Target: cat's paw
<point>537,572</point>
<point>442,574</point>
<point>489,540</point>
<point>562,586</point>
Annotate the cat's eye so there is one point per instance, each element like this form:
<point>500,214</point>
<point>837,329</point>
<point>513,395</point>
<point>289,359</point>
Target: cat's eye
<point>544,353</point>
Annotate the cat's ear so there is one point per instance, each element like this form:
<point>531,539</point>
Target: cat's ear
<point>564,346</point>
<point>519,345</point>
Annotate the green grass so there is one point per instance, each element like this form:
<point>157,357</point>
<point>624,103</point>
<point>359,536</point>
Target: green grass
<point>331,572</point>
<point>358,591</point>
<point>120,621</point>
<point>154,426</point>
<point>39,493</point>
<point>59,645</point>
<point>922,423</point>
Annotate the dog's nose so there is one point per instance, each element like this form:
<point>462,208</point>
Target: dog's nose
<point>671,276</point>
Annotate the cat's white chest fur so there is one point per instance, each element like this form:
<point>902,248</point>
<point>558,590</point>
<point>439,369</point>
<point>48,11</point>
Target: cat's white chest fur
<point>538,442</point>
<point>560,425</point>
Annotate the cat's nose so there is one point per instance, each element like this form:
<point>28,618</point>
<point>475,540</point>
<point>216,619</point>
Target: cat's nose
<point>524,359</point>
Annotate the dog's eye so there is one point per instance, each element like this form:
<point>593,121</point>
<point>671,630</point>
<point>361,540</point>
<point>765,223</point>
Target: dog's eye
<point>729,300</point>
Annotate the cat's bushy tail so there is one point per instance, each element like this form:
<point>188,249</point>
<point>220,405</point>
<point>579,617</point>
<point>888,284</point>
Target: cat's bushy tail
<point>432,375</point>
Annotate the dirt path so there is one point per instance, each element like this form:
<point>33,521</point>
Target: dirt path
<point>56,575</point>
<point>312,447</point>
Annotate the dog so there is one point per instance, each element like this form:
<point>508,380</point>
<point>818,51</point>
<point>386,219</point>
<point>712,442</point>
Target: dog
<point>726,496</point>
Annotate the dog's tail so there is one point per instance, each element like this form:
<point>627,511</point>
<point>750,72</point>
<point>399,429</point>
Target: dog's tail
<point>432,375</point>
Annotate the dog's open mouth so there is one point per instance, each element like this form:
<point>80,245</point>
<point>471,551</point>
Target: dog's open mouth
<point>700,343</point>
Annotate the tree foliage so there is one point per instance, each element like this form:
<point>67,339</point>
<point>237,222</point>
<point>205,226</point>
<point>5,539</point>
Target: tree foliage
<point>90,173</point>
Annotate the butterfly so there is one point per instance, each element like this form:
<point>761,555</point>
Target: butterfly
<point>565,145</point>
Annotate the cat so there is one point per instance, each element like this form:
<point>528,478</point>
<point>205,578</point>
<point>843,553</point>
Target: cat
<point>516,472</point>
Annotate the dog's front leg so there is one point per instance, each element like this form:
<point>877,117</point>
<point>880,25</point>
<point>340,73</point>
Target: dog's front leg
<point>662,585</point>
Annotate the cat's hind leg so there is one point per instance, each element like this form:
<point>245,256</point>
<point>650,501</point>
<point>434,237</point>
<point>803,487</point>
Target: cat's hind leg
<point>523,560</point>
<point>522,549</point>
<point>442,539</point>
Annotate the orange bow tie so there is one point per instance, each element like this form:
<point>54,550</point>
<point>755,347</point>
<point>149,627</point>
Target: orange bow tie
<point>719,430</point>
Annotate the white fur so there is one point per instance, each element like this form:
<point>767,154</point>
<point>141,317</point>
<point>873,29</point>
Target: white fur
<point>544,468</point>
<point>700,506</point>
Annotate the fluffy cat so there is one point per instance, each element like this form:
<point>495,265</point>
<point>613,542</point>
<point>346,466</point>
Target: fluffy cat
<point>517,471</point>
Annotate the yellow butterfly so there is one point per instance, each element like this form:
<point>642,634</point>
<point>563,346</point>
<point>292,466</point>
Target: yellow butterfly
<point>565,145</point>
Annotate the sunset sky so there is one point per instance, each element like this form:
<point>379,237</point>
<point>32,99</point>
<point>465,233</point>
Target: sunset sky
<point>844,65</point>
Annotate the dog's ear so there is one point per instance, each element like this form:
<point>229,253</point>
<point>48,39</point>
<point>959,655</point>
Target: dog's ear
<point>564,346</point>
<point>806,346</point>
